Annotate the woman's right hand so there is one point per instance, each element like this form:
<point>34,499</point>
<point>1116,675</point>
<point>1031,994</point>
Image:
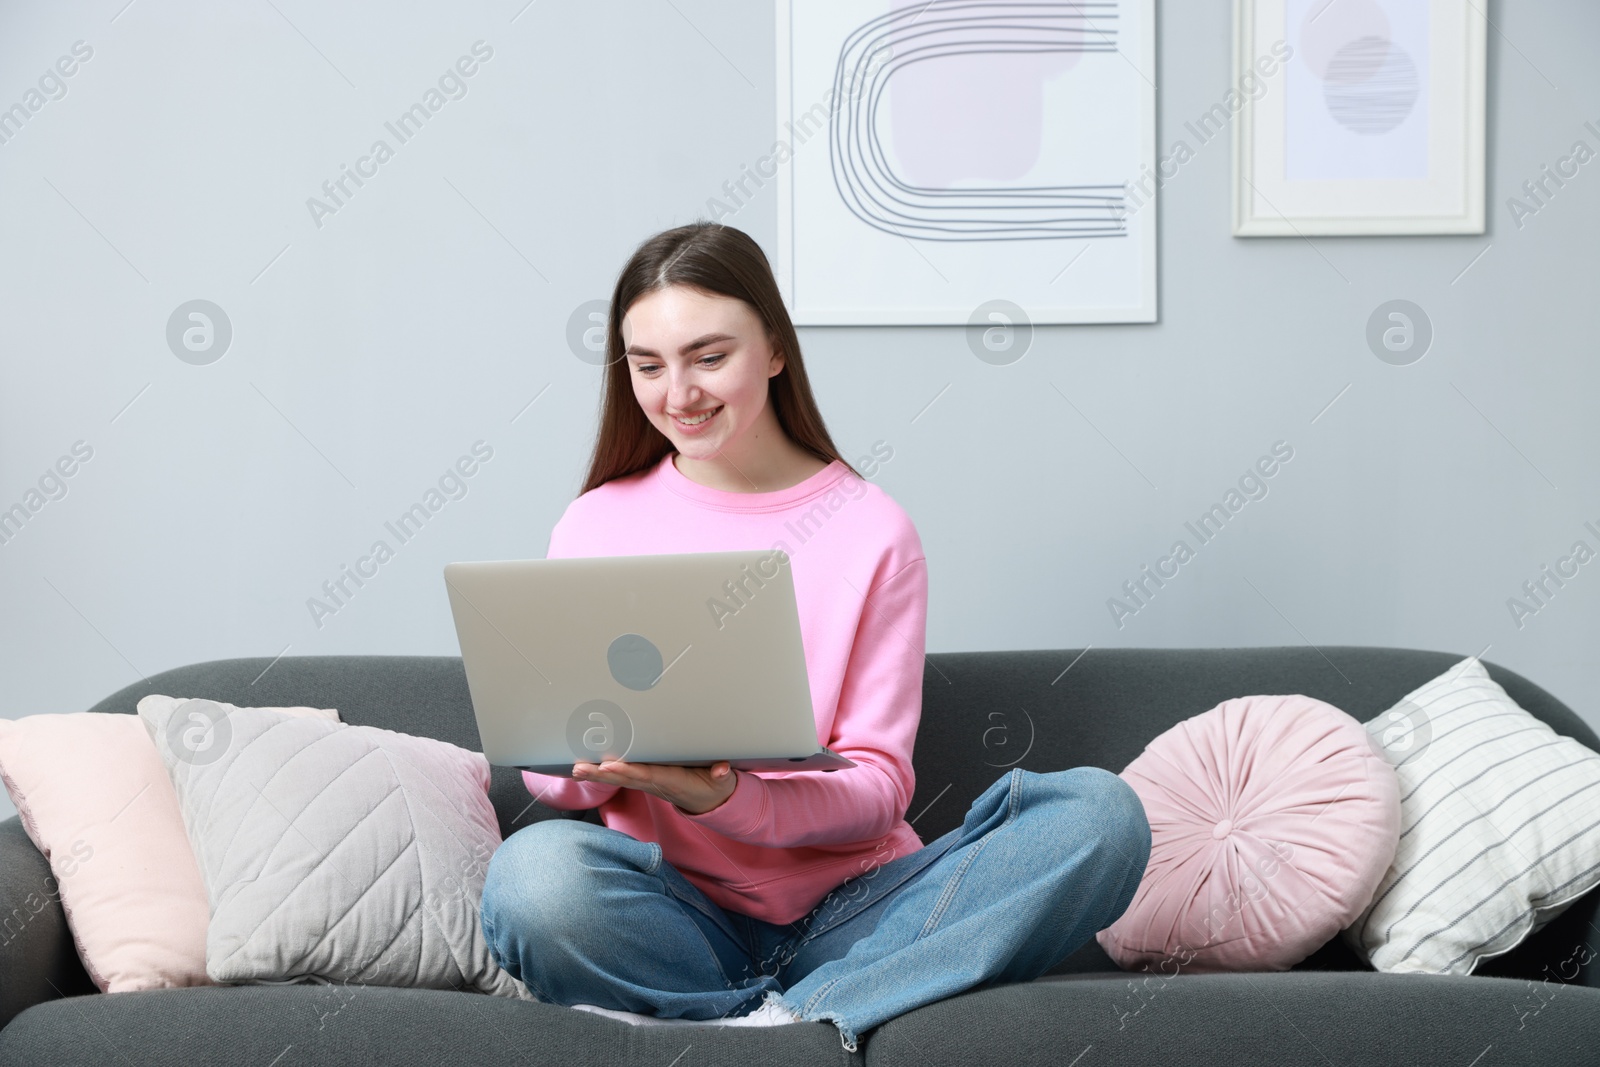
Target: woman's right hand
<point>694,790</point>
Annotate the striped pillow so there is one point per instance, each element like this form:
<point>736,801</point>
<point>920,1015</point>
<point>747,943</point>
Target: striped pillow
<point>1499,830</point>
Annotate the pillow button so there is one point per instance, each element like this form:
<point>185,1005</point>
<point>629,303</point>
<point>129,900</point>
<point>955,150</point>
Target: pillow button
<point>1222,829</point>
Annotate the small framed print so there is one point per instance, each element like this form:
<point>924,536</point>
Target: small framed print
<point>1363,117</point>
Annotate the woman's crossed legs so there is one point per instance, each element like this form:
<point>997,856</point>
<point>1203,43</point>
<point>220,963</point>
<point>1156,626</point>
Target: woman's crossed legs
<point>586,914</point>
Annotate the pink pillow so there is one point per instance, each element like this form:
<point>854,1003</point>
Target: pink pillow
<point>94,796</point>
<point>1272,820</point>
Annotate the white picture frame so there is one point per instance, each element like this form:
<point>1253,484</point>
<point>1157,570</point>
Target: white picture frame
<point>1373,124</point>
<point>836,268</point>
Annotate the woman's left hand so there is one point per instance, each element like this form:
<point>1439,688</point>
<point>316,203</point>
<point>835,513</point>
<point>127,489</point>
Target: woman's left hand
<point>695,790</point>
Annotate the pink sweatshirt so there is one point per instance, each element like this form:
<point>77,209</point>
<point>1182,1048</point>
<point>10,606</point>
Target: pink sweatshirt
<point>776,846</point>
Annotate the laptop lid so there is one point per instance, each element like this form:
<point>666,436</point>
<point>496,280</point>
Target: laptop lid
<point>674,658</point>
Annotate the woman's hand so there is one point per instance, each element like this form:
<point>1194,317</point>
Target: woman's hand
<point>695,790</point>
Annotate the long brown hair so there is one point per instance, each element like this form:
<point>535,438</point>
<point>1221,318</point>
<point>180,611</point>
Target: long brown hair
<point>717,259</point>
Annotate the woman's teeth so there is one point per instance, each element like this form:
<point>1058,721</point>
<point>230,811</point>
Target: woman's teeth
<point>697,420</point>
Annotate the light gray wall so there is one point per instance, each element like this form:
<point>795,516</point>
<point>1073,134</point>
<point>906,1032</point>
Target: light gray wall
<point>371,352</point>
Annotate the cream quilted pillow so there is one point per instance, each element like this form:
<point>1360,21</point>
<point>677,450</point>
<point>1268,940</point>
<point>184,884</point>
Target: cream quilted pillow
<point>337,853</point>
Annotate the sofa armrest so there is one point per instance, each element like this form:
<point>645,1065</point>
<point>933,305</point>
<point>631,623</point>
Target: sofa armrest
<point>38,960</point>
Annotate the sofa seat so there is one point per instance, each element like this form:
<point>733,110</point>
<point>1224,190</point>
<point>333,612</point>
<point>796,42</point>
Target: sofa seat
<point>378,1026</point>
<point>1285,1019</point>
<point>1315,1018</point>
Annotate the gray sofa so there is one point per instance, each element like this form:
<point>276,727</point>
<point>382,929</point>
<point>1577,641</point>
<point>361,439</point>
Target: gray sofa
<point>982,711</point>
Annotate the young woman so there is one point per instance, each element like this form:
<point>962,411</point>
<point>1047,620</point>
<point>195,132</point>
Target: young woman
<point>757,898</point>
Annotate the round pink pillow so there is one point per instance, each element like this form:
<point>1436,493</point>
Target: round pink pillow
<point>1272,820</point>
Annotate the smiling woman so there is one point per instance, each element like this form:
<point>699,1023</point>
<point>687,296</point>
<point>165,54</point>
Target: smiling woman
<point>709,397</point>
<point>719,895</point>
<point>703,360</point>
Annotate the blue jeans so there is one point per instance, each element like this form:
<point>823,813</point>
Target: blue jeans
<point>585,914</point>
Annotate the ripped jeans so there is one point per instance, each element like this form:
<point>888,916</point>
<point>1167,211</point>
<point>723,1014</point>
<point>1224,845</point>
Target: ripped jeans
<point>585,914</point>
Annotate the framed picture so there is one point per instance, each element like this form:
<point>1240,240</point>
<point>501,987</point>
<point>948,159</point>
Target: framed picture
<point>938,158</point>
<point>1366,117</point>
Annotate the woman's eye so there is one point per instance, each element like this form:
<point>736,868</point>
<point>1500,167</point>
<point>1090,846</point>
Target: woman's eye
<point>710,361</point>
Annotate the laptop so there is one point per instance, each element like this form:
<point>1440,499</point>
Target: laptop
<point>687,658</point>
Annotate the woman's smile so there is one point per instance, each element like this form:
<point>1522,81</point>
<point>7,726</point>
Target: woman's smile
<point>697,422</point>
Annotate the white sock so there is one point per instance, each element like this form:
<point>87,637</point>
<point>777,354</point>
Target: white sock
<point>771,1013</point>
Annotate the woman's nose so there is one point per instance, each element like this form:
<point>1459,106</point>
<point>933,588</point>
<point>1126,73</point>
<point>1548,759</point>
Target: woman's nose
<point>681,393</point>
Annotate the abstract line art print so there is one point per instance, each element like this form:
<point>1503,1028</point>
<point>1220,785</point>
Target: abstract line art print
<point>934,155</point>
<point>866,179</point>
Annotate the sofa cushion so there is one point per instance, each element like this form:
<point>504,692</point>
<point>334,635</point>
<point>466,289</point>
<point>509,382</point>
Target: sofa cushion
<point>1287,1019</point>
<point>356,1026</point>
<point>1501,827</point>
<point>95,799</point>
<point>1272,819</point>
<point>334,852</point>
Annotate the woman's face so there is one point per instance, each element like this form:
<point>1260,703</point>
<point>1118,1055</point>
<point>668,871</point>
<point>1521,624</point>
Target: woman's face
<point>693,354</point>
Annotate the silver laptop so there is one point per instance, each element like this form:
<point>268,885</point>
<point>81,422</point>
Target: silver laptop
<point>687,658</point>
